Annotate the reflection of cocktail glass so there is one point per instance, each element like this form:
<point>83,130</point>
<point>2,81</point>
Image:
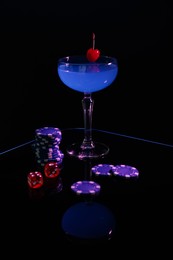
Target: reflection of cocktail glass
<point>79,74</point>
<point>89,223</point>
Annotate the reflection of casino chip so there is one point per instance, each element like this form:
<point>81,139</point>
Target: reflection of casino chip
<point>86,187</point>
<point>102,169</point>
<point>125,171</point>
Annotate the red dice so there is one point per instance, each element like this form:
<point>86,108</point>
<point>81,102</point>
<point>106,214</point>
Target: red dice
<point>35,179</point>
<point>52,169</point>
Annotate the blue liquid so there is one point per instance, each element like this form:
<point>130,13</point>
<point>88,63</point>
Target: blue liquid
<point>87,78</point>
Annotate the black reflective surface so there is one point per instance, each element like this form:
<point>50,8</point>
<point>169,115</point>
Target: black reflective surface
<point>141,207</point>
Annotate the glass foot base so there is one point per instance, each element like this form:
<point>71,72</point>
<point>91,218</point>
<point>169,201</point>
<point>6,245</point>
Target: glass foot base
<point>100,150</point>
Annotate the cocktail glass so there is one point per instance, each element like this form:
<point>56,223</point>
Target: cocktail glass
<point>82,75</point>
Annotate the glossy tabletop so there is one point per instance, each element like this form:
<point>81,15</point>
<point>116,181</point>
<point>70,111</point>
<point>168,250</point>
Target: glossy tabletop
<point>141,206</point>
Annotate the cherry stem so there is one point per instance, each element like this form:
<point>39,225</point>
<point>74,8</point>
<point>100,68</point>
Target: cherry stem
<point>93,41</point>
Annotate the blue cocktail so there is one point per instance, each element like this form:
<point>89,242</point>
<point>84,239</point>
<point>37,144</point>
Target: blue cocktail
<point>81,75</point>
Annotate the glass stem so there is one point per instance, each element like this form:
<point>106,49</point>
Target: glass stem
<point>87,104</point>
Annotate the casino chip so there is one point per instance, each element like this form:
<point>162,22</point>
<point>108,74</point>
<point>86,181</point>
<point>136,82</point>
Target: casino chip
<point>125,171</point>
<point>102,169</point>
<point>86,187</point>
<point>47,142</point>
<point>51,132</point>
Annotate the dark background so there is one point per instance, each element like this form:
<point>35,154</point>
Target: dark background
<point>35,34</point>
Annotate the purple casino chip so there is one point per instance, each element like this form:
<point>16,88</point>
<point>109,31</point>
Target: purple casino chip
<point>102,169</point>
<point>125,171</point>
<point>86,187</point>
<point>48,132</point>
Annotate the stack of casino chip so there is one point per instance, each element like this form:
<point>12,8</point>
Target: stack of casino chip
<point>47,145</point>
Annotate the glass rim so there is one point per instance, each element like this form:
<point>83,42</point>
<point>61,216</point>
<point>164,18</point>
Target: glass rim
<point>82,59</point>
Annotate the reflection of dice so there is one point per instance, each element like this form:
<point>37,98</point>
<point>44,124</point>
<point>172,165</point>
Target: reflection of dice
<point>93,68</point>
<point>82,68</point>
<point>35,180</point>
<point>52,169</point>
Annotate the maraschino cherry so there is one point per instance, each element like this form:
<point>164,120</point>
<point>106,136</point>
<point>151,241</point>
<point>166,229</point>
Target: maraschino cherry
<point>92,53</point>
